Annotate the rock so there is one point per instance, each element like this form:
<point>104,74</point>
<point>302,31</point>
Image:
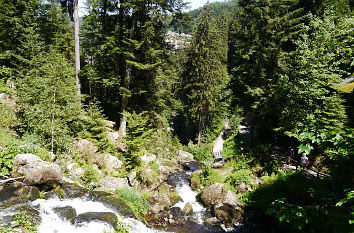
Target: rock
<point>67,213</point>
<point>194,180</point>
<point>149,178</point>
<point>212,221</point>
<point>17,193</point>
<point>114,202</point>
<point>188,209</point>
<point>71,190</point>
<point>219,164</point>
<point>106,217</point>
<point>226,206</point>
<point>225,171</point>
<point>88,151</point>
<point>147,158</point>
<point>242,188</point>
<point>112,163</point>
<point>112,183</point>
<point>132,179</point>
<point>35,170</point>
<point>212,195</point>
<point>185,157</point>
<point>6,99</point>
<point>75,171</point>
<point>158,203</point>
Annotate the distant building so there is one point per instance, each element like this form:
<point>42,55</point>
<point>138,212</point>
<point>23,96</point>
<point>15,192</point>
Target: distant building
<point>177,40</point>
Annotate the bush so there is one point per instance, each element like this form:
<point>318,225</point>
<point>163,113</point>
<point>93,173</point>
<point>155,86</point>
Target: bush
<point>134,200</point>
<point>239,176</point>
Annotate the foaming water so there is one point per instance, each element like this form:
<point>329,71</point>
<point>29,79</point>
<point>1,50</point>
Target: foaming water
<point>52,223</point>
<point>189,196</point>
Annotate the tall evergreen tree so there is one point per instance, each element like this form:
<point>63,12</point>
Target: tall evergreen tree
<point>126,44</point>
<point>204,73</point>
<point>262,36</point>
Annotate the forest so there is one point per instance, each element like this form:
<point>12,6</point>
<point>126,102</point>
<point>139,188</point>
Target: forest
<point>283,70</point>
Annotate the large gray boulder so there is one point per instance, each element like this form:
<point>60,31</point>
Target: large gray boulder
<point>185,157</point>
<point>226,206</point>
<point>35,170</point>
<point>112,163</point>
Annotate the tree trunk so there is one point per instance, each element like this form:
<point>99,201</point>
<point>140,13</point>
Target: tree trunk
<point>126,85</point>
<point>200,128</point>
<point>77,47</point>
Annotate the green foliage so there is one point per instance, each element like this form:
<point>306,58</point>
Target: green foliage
<point>239,176</point>
<point>200,153</point>
<point>137,130</point>
<point>349,200</point>
<point>21,220</point>
<point>93,126</point>
<point>7,156</point>
<point>91,173</point>
<point>134,200</point>
<point>298,204</point>
<point>48,100</point>
<point>209,176</point>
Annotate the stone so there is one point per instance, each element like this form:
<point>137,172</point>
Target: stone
<point>112,163</point>
<point>212,221</point>
<point>195,184</point>
<point>17,193</point>
<point>185,157</point>
<point>225,204</point>
<point>188,209</point>
<point>242,188</point>
<point>75,171</point>
<point>132,179</point>
<point>35,170</point>
<point>212,195</point>
<point>147,158</point>
<point>67,213</point>
<point>219,164</point>
<point>112,183</point>
<point>106,217</point>
<point>6,99</point>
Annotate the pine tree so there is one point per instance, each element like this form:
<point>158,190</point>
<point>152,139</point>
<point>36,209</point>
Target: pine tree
<point>204,73</point>
<point>262,36</point>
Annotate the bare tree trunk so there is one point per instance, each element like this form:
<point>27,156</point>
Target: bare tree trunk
<point>77,47</point>
<point>200,128</point>
<point>126,84</point>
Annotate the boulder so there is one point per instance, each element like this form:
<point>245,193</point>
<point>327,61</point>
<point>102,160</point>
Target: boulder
<point>132,179</point>
<point>185,157</point>
<point>112,163</point>
<point>17,193</point>
<point>242,188</point>
<point>75,171</point>
<point>147,158</point>
<point>212,195</point>
<point>188,209</point>
<point>212,221</point>
<point>67,213</point>
<point>112,183</point>
<point>35,170</point>
<point>106,217</point>
<point>226,205</point>
<point>158,203</point>
<point>195,184</point>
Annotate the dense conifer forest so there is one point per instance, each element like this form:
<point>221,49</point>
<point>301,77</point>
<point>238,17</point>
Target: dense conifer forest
<point>281,69</point>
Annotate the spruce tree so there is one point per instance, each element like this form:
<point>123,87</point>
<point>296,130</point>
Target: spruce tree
<point>204,73</point>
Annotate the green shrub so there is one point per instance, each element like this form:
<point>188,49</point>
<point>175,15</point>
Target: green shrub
<point>202,152</point>
<point>209,176</point>
<point>134,200</point>
<point>91,173</point>
<point>239,176</point>
<point>23,221</point>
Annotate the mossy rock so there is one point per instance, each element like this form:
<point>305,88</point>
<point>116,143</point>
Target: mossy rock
<point>106,217</point>
<point>67,213</point>
<point>17,193</point>
<point>73,190</point>
<point>114,202</point>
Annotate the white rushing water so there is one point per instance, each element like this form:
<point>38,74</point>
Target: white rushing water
<point>189,196</point>
<point>52,223</point>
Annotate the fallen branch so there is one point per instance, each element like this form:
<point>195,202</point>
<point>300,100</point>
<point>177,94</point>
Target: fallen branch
<point>11,179</point>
